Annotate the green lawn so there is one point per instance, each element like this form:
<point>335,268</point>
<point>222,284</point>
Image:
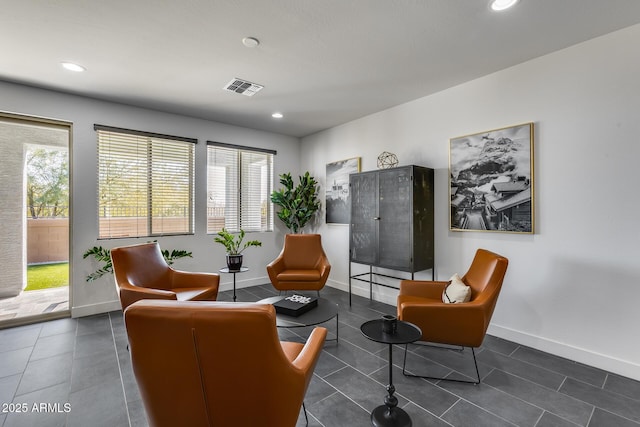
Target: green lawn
<point>44,276</point>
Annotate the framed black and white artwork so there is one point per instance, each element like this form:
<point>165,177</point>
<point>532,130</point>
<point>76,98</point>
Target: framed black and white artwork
<point>491,181</point>
<point>337,189</point>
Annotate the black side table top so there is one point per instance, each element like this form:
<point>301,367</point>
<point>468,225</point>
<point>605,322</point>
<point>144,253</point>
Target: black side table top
<point>405,332</point>
<point>226,270</point>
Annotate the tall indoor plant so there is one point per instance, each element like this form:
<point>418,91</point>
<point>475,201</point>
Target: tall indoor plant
<point>297,205</point>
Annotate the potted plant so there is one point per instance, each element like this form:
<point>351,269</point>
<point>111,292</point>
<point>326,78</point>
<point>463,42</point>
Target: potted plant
<point>234,246</point>
<point>297,205</point>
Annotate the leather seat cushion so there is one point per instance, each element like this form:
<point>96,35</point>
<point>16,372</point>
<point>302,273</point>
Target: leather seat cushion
<point>299,275</point>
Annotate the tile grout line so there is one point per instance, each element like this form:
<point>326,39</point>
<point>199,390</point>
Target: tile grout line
<point>73,366</point>
<point>115,348</point>
<point>15,393</point>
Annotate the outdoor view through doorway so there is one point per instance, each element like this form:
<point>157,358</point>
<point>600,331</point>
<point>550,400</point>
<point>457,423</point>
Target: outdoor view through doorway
<point>34,251</point>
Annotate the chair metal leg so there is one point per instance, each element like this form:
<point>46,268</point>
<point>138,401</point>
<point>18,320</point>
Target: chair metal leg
<point>475,362</point>
<point>305,413</point>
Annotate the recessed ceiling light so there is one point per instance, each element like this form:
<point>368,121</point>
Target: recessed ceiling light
<point>499,5</point>
<point>73,67</point>
<point>277,115</point>
<point>250,41</point>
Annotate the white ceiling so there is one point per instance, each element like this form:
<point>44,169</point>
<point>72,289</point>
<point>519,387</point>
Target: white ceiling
<point>322,62</point>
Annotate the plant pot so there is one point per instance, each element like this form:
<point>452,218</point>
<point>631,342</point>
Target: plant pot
<point>234,262</point>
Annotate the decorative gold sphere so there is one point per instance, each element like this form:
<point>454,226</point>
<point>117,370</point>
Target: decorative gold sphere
<point>387,160</point>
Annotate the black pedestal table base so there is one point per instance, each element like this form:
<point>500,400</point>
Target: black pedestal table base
<point>389,415</point>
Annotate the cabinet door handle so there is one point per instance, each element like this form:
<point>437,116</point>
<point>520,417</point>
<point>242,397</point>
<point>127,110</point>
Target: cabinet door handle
<point>376,218</point>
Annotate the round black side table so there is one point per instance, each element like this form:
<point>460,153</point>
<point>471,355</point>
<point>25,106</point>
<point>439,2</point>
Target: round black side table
<point>389,415</point>
<point>226,270</point>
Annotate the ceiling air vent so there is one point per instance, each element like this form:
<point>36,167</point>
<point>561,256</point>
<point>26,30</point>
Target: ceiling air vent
<point>243,87</point>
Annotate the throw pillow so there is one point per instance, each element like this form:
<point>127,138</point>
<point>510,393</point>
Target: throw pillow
<point>456,291</point>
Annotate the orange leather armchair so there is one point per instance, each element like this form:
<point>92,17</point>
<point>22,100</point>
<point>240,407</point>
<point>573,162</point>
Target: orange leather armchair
<point>301,265</point>
<point>141,272</point>
<point>218,364</point>
<point>460,324</point>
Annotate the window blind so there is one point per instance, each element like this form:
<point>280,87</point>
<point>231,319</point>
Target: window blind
<point>145,184</point>
<point>239,183</point>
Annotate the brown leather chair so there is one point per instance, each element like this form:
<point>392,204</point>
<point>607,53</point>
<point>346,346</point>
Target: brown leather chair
<point>141,272</point>
<point>218,364</point>
<point>459,324</point>
<point>301,265</point>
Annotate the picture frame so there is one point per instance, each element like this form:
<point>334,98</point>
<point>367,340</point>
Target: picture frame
<point>337,190</point>
<point>491,185</point>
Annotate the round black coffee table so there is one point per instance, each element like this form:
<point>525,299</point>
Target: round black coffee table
<point>325,311</point>
<point>389,415</point>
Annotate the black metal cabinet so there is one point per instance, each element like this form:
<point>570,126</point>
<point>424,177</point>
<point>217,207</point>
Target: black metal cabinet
<point>392,220</point>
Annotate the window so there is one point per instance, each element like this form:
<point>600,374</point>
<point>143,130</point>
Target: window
<point>239,182</point>
<point>145,183</point>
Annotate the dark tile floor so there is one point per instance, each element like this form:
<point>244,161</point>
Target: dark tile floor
<point>76,372</point>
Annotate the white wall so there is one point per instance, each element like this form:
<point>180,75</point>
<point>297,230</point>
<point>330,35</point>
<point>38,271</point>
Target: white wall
<point>572,288</point>
<point>100,296</point>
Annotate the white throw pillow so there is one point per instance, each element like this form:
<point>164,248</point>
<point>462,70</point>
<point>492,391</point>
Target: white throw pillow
<point>456,291</point>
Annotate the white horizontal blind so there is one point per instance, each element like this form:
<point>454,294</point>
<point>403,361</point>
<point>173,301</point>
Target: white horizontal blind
<point>222,189</point>
<point>145,185</point>
<point>239,183</point>
<point>255,191</point>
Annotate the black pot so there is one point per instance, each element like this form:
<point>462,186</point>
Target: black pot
<point>234,262</point>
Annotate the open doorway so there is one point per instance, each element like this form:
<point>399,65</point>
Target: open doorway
<point>35,219</point>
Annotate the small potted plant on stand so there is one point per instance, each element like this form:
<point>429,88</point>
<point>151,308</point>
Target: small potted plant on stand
<point>234,246</point>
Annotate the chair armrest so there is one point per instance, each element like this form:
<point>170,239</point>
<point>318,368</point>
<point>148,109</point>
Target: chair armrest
<point>186,279</point>
<point>423,288</point>
<point>275,267</point>
<point>130,294</point>
<point>310,353</point>
<point>324,267</point>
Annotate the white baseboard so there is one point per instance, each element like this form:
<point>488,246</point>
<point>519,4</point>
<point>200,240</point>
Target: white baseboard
<point>382,294</point>
<point>227,284</point>
<point>89,310</point>
<point>608,363</point>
